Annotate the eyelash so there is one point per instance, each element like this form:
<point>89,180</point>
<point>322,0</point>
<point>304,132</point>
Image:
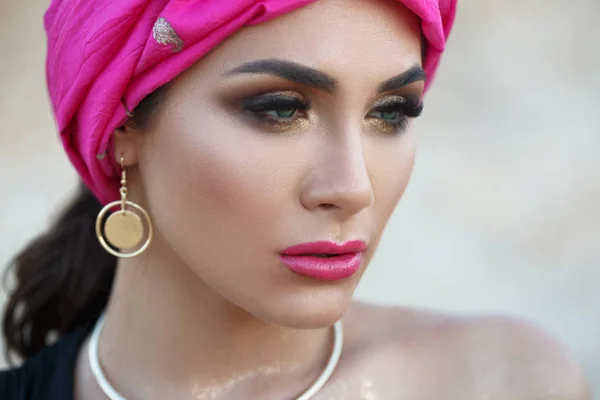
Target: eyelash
<point>260,106</point>
<point>406,107</point>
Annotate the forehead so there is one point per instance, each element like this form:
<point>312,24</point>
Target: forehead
<point>340,37</point>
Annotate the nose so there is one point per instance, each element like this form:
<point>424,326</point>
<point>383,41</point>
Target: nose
<point>339,180</point>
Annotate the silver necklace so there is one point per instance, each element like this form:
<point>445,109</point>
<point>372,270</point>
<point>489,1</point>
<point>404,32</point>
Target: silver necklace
<point>112,394</point>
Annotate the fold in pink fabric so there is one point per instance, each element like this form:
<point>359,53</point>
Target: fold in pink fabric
<point>103,54</point>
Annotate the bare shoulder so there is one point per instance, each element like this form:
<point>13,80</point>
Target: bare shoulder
<point>491,357</point>
<point>527,362</point>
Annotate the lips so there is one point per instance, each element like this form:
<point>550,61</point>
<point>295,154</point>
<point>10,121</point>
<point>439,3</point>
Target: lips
<point>324,260</point>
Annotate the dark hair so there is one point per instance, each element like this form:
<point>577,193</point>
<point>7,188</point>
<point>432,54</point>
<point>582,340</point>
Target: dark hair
<point>63,277</point>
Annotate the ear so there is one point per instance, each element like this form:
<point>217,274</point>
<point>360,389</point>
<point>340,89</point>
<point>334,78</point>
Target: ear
<point>127,144</point>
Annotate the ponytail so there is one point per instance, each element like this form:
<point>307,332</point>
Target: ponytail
<point>63,280</point>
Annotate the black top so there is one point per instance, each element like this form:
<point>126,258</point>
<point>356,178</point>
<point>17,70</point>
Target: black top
<point>47,376</point>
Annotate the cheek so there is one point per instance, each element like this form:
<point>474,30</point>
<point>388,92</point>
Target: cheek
<point>391,172</point>
<point>220,180</point>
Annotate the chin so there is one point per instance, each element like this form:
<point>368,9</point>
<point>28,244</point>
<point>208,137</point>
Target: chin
<point>308,309</point>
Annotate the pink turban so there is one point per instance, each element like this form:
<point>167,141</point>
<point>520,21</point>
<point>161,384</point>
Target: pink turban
<point>103,54</point>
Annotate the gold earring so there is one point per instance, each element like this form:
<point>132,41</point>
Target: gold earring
<point>121,234</point>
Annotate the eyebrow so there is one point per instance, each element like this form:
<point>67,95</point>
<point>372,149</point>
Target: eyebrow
<point>414,74</point>
<point>288,70</point>
<point>311,77</point>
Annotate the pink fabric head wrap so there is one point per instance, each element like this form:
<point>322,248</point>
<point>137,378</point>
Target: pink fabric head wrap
<point>102,53</point>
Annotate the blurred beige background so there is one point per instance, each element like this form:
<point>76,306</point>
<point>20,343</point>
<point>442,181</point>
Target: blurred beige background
<point>503,213</point>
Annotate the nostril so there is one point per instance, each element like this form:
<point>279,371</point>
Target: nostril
<point>327,206</point>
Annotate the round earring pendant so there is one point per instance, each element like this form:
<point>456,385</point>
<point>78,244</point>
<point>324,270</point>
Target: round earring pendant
<point>124,230</point>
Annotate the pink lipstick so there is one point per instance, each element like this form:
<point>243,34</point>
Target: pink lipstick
<point>327,261</point>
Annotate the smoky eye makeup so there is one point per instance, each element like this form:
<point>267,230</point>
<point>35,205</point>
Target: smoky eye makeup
<point>411,106</point>
<point>275,101</point>
<point>284,109</point>
<point>391,113</point>
<point>280,109</point>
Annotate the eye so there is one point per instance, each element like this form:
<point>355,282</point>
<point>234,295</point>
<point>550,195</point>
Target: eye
<point>277,107</point>
<point>386,115</point>
<point>392,112</point>
<point>282,112</point>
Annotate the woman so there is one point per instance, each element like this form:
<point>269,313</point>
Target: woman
<point>249,155</point>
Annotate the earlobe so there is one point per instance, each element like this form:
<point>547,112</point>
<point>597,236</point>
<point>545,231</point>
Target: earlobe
<point>126,144</point>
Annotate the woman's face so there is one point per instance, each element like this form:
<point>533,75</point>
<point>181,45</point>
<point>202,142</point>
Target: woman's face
<point>293,131</point>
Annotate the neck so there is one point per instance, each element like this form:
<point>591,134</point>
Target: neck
<point>168,335</point>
